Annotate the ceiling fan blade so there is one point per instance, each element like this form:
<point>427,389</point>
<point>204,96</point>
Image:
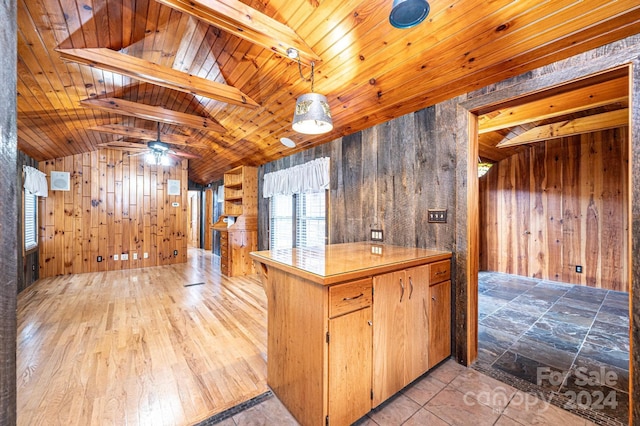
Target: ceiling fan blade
<point>185,154</point>
<point>146,151</point>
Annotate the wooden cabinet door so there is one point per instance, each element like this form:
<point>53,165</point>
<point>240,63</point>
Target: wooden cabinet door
<point>417,323</point>
<point>389,296</point>
<point>440,322</point>
<point>350,349</point>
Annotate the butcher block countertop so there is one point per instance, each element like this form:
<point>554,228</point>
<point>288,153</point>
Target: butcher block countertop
<point>336,263</point>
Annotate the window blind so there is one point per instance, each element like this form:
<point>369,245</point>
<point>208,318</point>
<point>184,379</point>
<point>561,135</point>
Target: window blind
<point>310,219</point>
<point>281,222</point>
<point>30,220</point>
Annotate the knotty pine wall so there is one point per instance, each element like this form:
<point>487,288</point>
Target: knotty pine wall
<point>117,204</point>
<point>560,204</point>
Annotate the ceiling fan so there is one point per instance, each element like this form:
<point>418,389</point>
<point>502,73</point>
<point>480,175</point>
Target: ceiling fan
<point>156,152</point>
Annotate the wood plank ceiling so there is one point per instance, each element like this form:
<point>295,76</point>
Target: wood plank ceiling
<point>369,71</point>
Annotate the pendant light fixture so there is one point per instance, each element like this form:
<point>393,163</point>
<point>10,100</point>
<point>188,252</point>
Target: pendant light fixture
<point>408,13</point>
<point>312,115</point>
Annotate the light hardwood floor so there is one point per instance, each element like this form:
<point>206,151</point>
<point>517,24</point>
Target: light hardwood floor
<point>141,346</point>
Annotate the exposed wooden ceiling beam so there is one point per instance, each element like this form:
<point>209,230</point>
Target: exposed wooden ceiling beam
<point>138,147</point>
<point>147,135</point>
<point>148,112</point>
<point>245,22</point>
<point>577,126</point>
<point>605,93</point>
<point>153,73</point>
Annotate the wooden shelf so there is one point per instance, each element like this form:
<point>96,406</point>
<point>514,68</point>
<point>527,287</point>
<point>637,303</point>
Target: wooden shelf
<point>240,238</point>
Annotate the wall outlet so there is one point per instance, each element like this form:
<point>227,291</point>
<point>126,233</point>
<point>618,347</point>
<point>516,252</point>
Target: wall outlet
<point>175,252</point>
<point>145,256</point>
<point>33,267</point>
<point>377,235</point>
<point>579,269</point>
<point>99,259</point>
<point>437,216</point>
<point>115,257</point>
<point>135,256</point>
<point>125,256</point>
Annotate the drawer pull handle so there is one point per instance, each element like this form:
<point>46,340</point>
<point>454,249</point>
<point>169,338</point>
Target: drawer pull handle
<point>353,298</point>
<point>411,286</point>
<point>402,292</point>
<point>441,273</point>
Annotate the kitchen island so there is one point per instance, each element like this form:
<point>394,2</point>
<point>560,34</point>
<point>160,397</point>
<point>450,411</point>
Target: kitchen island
<point>349,325</point>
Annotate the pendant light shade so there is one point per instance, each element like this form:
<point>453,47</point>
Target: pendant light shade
<point>312,115</point>
<point>408,13</point>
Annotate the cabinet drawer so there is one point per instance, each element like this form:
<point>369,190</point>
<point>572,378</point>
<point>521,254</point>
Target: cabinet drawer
<point>344,298</point>
<point>439,272</point>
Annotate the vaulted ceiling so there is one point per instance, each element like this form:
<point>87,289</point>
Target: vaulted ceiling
<point>215,75</point>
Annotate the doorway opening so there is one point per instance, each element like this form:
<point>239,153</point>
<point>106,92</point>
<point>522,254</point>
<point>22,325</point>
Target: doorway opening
<point>193,219</point>
<point>554,232</point>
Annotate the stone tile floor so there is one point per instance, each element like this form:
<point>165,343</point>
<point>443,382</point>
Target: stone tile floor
<point>450,394</point>
<point>564,342</point>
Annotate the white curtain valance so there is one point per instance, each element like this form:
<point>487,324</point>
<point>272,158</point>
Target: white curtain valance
<point>308,177</point>
<point>35,181</point>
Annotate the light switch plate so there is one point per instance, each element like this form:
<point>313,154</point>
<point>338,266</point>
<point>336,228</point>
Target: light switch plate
<point>437,216</point>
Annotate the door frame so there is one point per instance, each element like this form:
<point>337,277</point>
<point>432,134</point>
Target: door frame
<point>467,294</point>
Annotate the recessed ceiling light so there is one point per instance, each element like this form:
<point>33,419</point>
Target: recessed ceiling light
<point>288,142</point>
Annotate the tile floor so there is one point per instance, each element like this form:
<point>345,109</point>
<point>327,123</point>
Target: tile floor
<point>549,335</point>
<point>448,395</point>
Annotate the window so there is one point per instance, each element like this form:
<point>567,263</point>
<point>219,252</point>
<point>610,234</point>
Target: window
<point>281,229</point>
<point>310,219</point>
<point>298,220</point>
<point>30,220</point>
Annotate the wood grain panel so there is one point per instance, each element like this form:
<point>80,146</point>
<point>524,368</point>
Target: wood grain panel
<point>108,211</point>
<point>297,349</point>
<point>557,205</point>
<point>9,240</point>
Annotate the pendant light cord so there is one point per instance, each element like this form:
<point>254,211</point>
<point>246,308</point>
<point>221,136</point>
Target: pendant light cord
<point>312,73</point>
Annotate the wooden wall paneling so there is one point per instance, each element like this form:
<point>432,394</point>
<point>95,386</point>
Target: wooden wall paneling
<point>9,210</point>
<point>633,240</point>
<point>108,213</point>
<point>571,217</point>
<point>573,199</point>
<point>351,202</point>
<point>591,180</point>
<point>538,260</point>
<point>553,197</point>
<point>522,221</point>
<point>626,140</point>
<point>614,226</point>
<point>156,233</point>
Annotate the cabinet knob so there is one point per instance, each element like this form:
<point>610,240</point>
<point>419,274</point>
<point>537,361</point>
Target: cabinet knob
<point>433,298</point>
<point>369,322</point>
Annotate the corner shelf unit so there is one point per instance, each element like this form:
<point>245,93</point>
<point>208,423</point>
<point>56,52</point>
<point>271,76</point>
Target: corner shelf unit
<point>241,209</point>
